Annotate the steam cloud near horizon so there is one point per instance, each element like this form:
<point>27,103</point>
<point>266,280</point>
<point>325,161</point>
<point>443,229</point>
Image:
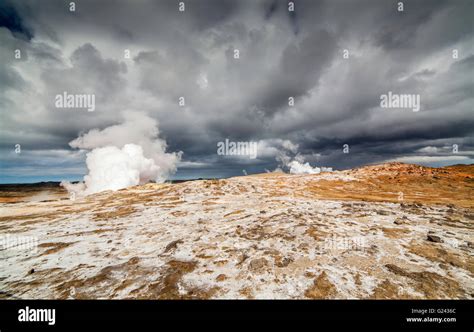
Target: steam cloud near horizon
<point>123,155</point>
<point>296,164</point>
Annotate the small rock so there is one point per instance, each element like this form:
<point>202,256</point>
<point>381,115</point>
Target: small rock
<point>303,246</point>
<point>283,262</point>
<point>398,221</point>
<point>31,271</point>
<point>434,238</point>
<point>221,277</point>
<point>258,264</point>
<point>172,245</point>
<point>469,216</point>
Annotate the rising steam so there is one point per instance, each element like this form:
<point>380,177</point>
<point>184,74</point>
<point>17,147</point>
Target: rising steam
<point>123,155</point>
<point>289,159</point>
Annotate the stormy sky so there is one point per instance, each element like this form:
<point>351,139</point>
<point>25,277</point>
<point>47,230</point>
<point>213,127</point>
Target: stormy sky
<point>282,54</point>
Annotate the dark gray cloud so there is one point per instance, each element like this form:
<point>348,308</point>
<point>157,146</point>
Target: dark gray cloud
<point>11,20</point>
<point>282,54</point>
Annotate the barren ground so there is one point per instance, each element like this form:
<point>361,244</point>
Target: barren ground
<point>384,231</point>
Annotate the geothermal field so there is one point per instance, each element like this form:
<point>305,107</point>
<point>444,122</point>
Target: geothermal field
<point>391,231</point>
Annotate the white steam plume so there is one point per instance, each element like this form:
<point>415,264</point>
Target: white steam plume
<point>296,164</point>
<point>124,155</point>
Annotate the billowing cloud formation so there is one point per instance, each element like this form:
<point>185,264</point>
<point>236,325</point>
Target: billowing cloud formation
<point>124,155</point>
<point>282,54</point>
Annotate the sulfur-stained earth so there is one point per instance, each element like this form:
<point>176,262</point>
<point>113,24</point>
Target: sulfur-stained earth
<point>390,231</point>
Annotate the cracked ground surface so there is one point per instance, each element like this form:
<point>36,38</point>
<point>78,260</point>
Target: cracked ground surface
<point>383,231</point>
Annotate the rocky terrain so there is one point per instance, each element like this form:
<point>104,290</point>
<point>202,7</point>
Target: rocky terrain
<point>390,231</point>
